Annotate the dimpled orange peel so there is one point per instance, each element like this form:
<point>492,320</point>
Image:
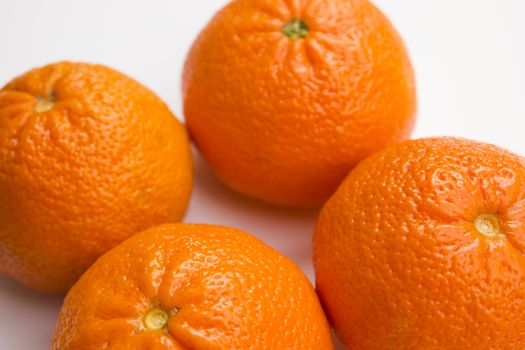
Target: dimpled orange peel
<point>423,247</point>
<point>198,287</point>
<point>88,157</point>
<point>284,98</point>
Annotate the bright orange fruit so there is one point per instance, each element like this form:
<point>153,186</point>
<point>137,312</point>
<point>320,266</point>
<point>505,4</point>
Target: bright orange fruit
<point>423,247</point>
<point>198,287</point>
<point>284,98</point>
<point>88,157</point>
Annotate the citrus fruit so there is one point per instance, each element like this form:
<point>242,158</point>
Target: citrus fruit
<point>197,287</point>
<point>284,98</point>
<point>88,157</point>
<point>423,247</point>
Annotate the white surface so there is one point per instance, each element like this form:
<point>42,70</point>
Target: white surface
<point>469,57</point>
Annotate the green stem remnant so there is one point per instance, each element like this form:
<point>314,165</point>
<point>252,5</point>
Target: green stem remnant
<point>296,29</point>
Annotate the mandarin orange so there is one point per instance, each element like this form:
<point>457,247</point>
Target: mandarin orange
<point>88,157</point>
<point>284,98</point>
<point>423,247</point>
<point>197,287</point>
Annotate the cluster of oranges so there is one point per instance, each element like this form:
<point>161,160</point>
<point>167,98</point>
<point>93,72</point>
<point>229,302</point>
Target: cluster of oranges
<point>419,244</point>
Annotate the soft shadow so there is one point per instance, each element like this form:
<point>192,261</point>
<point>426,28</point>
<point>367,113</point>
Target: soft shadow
<point>31,316</point>
<point>286,229</point>
<point>12,289</point>
<point>338,344</point>
<point>206,181</point>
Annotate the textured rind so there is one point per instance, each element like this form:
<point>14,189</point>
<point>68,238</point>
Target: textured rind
<point>233,292</point>
<point>286,120</point>
<point>107,161</point>
<point>399,263</point>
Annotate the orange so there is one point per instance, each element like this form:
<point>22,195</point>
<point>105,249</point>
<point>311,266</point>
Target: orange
<point>88,157</point>
<point>284,98</point>
<point>198,287</point>
<point>423,247</point>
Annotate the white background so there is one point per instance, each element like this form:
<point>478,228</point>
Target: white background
<point>469,57</point>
